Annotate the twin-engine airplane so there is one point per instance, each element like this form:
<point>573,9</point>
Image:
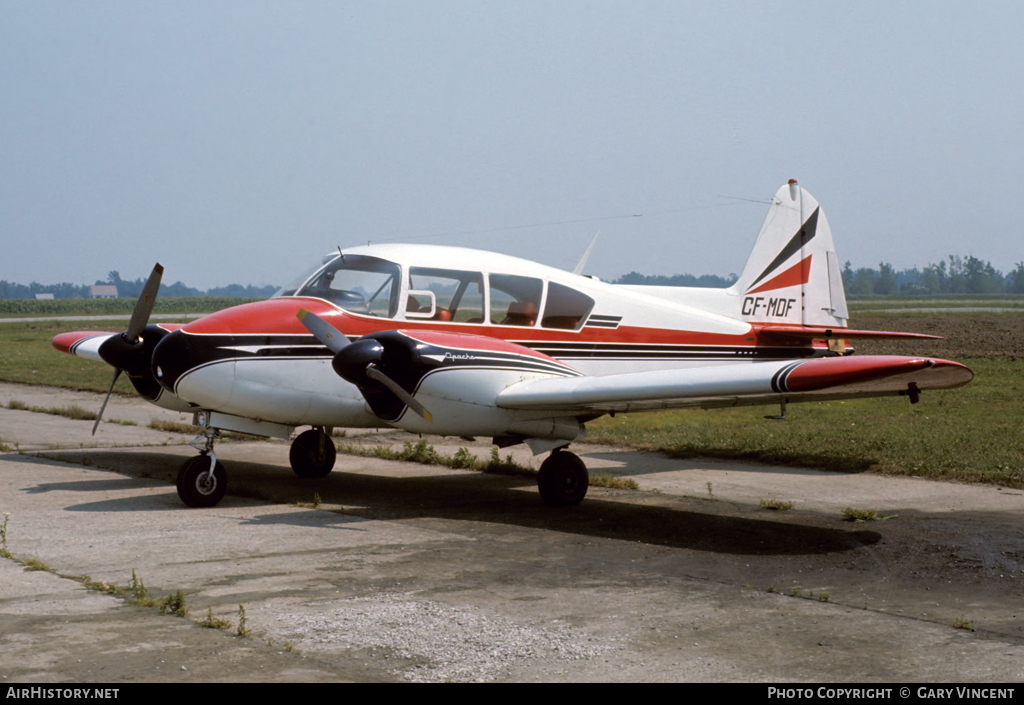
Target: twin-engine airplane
<point>458,342</point>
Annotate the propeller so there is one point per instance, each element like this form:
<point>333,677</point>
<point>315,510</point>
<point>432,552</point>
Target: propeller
<point>374,373</point>
<point>355,361</point>
<point>125,352</point>
<point>323,331</point>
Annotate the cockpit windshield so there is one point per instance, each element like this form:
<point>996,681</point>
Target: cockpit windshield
<point>356,283</point>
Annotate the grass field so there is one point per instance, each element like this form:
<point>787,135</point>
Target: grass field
<point>952,301</point>
<point>14,308</point>
<point>28,357</point>
<point>974,433</point>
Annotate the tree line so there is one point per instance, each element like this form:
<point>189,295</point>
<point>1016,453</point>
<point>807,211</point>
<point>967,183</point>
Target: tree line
<point>130,289</point>
<point>957,275</point>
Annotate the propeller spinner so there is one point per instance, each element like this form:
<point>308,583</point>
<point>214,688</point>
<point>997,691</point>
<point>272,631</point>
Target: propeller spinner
<point>358,361</point>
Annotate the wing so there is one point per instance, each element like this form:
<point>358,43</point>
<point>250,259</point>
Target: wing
<point>739,384</point>
<point>86,344</point>
<point>82,343</point>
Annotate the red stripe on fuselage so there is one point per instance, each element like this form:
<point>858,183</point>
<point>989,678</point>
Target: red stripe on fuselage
<point>278,317</point>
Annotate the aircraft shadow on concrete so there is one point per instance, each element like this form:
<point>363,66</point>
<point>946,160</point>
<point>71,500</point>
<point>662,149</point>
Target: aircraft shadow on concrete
<point>658,462</point>
<point>481,497</point>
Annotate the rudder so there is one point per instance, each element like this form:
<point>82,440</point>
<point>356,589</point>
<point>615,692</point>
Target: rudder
<point>792,274</point>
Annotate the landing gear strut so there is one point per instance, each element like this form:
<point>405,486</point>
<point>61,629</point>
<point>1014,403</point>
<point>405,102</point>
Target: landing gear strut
<point>313,453</point>
<point>562,479</point>
<point>202,481</point>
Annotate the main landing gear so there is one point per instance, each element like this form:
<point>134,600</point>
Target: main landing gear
<point>202,480</point>
<point>562,479</point>
<point>313,453</point>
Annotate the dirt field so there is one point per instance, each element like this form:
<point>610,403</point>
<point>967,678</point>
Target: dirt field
<point>963,335</point>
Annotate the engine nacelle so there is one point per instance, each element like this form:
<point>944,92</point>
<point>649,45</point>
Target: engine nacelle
<point>458,378</point>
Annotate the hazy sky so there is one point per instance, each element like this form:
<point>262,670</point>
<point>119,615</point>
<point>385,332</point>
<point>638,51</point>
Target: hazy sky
<point>235,142</point>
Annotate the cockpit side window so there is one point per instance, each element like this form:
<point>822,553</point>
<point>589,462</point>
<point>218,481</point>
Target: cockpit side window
<point>566,308</point>
<point>359,284</point>
<point>515,300</point>
<point>458,295</point>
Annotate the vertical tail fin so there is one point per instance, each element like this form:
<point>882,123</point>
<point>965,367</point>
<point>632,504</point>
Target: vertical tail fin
<point>792,275</point>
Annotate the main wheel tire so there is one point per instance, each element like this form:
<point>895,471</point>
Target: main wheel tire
<point>309,458</point>
<point>197,487</point>
<point>563,479</point>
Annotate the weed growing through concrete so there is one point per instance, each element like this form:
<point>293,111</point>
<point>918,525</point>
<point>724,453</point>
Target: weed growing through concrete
<point>242,630</point>
<point>315,504</point>
<point>34,564</point>
<point>174,604</point>
<point>3,537</point>
<point>211,622</point>
<point>140,595</point>
<point>463,459</point>
<point>72,412</point>
<point>174,426</point>
<point>100,586</point>
<point>506,466</point>
<point>425,454</point>
<point>862,515</point>
<point>964,623</point>
<point>614,483</point>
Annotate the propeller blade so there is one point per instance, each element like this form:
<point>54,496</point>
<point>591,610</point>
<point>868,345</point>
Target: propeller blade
<point>323,331</point>
<point>117,373</point>
<point>144,306</point>
<point>375,374</point>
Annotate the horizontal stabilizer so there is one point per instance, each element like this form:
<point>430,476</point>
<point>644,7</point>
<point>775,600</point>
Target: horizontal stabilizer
<point>819,332</point>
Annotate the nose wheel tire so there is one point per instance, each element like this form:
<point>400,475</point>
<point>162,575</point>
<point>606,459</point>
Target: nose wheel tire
<point>312,454</point>
<point>197,486</point>
<point>563,479</point>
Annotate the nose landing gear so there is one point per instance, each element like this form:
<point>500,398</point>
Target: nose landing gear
<point>202,480</point>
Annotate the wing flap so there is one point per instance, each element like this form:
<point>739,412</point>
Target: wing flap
<point>739,384</point>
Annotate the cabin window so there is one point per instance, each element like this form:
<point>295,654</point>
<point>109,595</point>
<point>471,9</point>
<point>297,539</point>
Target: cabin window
<point>515,300</point>
<point>566,308</point>
<point>359,284</point>
<point>458,296</point>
